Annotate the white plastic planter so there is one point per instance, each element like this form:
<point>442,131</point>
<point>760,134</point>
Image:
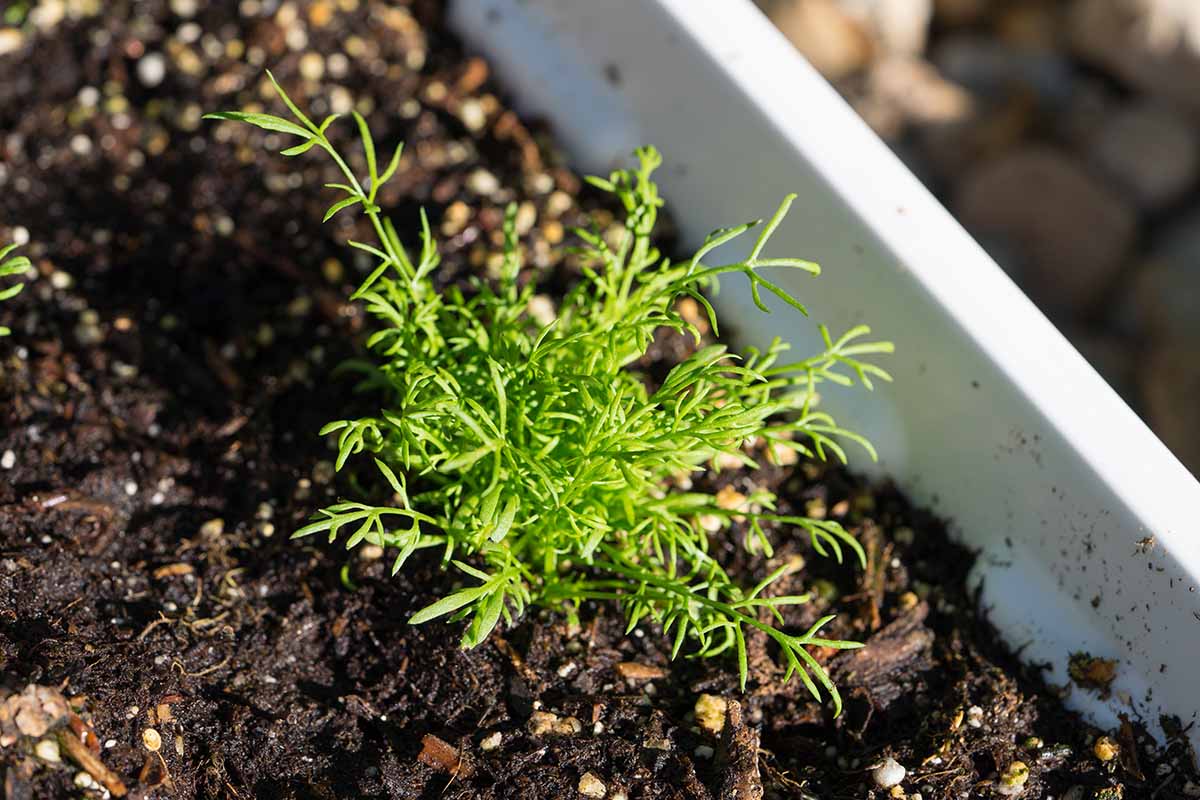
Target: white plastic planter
<point>994,419</point>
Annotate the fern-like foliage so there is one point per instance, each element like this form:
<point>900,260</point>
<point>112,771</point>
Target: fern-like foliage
<point>537,460</point>
<point>11,265</point>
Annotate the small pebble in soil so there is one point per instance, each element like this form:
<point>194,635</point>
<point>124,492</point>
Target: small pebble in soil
<point>11,40</point>
<point>888,774</point>
<point>1012,781</point>
<point>332,270</point>
<point>188,33</point>
<point>482,182</point>
<point>545,723</point>
<point>1106,749</point>
<point>84,781</point>
<point>472,115</point>
<point>710,712</point>
<point>151,739</point>
<point>455,218</point>
<point>729,498</point>
<point>8,460</point>
<point>780,454</point>
<point>490,742</point>
<point>541,309</point>
<point>703,751</point>
<point>151,69</point>
<point>312,66</point>
<point>975,717</point>
<point>526,217</point>
<point>591,786</point>
<point>47,750</point>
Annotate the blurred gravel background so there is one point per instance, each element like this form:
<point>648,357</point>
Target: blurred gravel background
<point>1065,135</point>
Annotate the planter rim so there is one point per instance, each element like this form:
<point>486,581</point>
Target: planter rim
<point>1085,522</point>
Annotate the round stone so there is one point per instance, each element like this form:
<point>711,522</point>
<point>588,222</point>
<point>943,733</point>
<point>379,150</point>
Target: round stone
<point>312,66</point>
<point>151,69</point>
<point>47,750</point>
<point>834,42</point>
<point>1069,232</point>
<point>888,774</point>
<point>591,786</point>
<point>1150,152</point>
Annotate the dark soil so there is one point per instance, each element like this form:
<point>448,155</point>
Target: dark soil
<point>161,392</point>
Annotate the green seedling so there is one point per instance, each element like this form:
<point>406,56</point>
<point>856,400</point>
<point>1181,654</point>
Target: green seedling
<point>11,265</point>
<point>540,463</point>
